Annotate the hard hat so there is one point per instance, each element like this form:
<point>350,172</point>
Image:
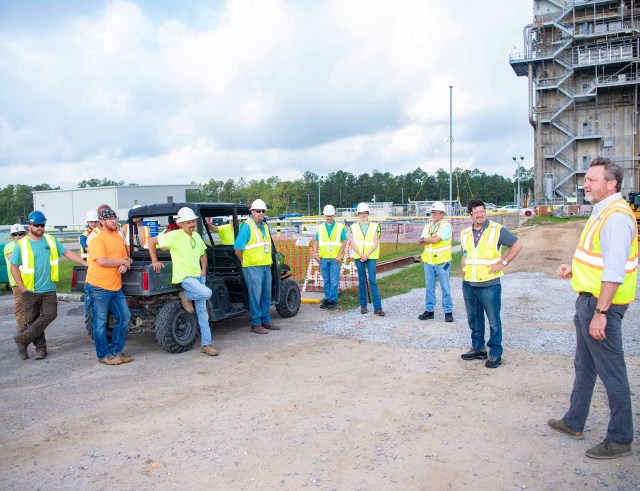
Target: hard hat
<point>258,205</point>
<point>362,207</point>
<point>438,206</point>
<point>36,218</point>
<point>329,211</point>
<point>17,228</point>
<point>184,215</point>
<point>92,216</point>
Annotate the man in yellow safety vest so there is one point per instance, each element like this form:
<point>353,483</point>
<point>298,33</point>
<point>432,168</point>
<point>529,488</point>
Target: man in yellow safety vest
<point>604,273</point>
<point>328,250</point>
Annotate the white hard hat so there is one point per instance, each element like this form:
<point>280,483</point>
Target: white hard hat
<point>329,211</point>
<point>362,207</point>
<point>17,228</point>
<point>438,206</point>
<point>258,205</point>
<point>184,215</point>
<point>92,216</point>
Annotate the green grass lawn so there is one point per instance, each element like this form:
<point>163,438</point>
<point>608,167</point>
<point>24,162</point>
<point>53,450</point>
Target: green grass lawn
<point>549,220</point>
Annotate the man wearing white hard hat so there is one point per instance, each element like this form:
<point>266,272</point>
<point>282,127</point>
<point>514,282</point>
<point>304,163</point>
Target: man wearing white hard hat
<point>189,262</point>
<point>253,248</point>
<point>92,223</point>
<point>365,240</point>
<point>17,232</point>
<point>436,238</point>
<point>328,250</point>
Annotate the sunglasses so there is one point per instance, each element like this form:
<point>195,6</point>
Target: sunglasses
<point>39,225</point>
<point>18,234</point>
<point>193,243</point>
<point>260,211</point>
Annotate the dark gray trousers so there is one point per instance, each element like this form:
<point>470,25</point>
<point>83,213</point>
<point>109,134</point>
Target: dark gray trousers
<point>604,359</point>
<point>41,310</point>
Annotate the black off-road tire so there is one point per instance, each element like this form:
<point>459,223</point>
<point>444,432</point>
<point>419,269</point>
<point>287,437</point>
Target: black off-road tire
<point>176,329</point>
<point>289,303</point>
<point>89,327</point>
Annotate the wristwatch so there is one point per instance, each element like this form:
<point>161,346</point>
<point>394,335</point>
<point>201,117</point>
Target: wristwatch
<point>600,311</point>
<point>504,263</point>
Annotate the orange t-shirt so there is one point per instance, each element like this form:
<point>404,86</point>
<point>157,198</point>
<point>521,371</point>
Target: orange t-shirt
<point>111,245</point>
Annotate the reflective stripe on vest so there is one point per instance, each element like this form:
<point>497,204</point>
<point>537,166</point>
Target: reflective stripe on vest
<point>257,252</point>
<point>440,252</point>
<point>144,234</point>
<point>365,242</point>
<point>587,264</point>
<point>329,246</point>
<point>8,250</point>
<point>27,269</point>
<point>479,258</point>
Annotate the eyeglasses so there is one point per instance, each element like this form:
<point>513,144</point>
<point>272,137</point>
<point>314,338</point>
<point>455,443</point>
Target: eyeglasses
<point>193,243</point>
<point>39,225</point>
<point>18,234</point>
<point>260,211</point>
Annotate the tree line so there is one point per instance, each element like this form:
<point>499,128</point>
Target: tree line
<point>341,189</point>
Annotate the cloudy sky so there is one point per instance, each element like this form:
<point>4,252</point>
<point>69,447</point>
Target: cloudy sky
<point>154,92</point>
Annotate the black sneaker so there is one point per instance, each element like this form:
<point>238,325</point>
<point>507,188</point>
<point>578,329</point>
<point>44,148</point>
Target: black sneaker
<point>448,317</point>
<point>332,305</point>
<point>493,362</point>
<point>425,316</point>
<point>474,354</point>
<point>324,304</point>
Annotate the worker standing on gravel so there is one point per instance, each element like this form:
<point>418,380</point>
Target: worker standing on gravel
<point>189,263</point>
<point>436,237</point>
<point>482,266</point>
<point>328,250</point>
<point>34,266</point>
<point>108,262</point>
<point>253,248</point>
<point>604,273</point>
<point>17,232</point>
<point>365,241</point>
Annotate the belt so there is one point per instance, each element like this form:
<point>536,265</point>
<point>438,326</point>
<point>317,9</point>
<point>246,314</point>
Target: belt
<point>586,294</point>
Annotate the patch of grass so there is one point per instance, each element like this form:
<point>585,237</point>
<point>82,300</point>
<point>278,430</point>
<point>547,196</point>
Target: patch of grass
<point>405,280</point>
<point>65,271</point>
<point>549,220</point>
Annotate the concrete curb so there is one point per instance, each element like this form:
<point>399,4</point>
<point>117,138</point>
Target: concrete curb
<point>310,300</point>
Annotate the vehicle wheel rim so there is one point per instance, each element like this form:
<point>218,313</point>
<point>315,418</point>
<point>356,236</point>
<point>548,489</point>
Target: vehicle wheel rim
<point>183,329</point>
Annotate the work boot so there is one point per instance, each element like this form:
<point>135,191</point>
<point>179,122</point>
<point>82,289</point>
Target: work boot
<point>186,303</point>
<point>448,317</point>
<point>208,350</point>
<point>22,348</point>
<point>558,425</point>
<point>379,312</point>
<point>425,316</point>
<point>324,304</point>
<point>124,357</point>
<point>270,326</point>
<point>364,310</point>
<point>493,362</point>
<point>41,353</point>
<point>474,354</point>
<point>259,330</point>
<point>111,360</point>
<point>609,450</point>
<point>332,306</point>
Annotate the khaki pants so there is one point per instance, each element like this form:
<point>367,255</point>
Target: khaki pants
<point>21,316</point>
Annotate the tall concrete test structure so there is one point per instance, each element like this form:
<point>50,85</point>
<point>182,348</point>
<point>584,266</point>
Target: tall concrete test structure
<point>582,60</point>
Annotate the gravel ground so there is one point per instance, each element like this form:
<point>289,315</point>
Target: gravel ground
<point>546,328</point>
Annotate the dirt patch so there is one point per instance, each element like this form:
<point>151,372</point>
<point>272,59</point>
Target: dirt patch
<point>300,409</point>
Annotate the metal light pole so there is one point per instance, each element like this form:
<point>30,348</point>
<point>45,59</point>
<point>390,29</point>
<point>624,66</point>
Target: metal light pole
<point>319,210</point>
<point>450,147</point>
<point>518,202</point>
<point>308,204</point>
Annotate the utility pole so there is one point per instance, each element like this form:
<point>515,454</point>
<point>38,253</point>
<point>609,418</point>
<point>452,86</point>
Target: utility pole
<point>319,209</point>
<point>518,201</point>
<point>450,145</point>
<point>308,204</point>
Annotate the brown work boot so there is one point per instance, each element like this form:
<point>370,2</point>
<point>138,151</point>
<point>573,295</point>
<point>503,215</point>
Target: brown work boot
<point>111,360</point>
<point>364,310</point>
<point>124,357</point>
<point>259,330</point>
<point>41,353</point>
<point>379,312</point>
<point>558,425</point>
<point>186,303</point>
<point>208,350</point>
<point>270,326</point>
<point>22,348</point>
<point>609,450</point>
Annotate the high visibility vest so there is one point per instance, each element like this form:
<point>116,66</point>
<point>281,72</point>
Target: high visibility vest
<point>329,246</point>
<point>8,250</point>
<point>440,252</point>
<point>365,242</point>
<point>587,264</point>
<point>84,253</point>
<point>144,233</point>
<point>27,268</point>
<point>479,258</point>
<point>257,252</point>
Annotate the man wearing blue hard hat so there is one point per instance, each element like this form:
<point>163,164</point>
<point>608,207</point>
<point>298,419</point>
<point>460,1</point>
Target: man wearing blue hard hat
<point>34,266</point>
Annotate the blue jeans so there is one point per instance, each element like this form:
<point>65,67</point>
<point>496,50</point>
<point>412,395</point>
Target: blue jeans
<point>258,280</point>
<point>87,298</point>
<point>480,301</point>
<point>330,270</point>
<point>442,272</point>
<point>195,289</point>
<point>103,302</point>
<point>604,359</point>
<point>370,267</point>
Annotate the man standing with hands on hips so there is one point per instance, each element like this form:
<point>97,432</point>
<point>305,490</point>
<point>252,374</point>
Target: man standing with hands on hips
<point>328,249</point>
<point>436,237</point>
<point>604,273</point>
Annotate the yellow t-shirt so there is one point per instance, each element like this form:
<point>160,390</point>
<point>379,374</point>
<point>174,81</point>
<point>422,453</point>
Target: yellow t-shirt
<point>110,245</point>
<point>185,253</point>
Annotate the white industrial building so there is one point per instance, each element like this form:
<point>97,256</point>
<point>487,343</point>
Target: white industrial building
<point>68,208</point>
